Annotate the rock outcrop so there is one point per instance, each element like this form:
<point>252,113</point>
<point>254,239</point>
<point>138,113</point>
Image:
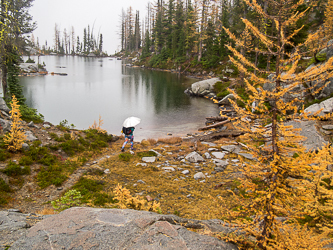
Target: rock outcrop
<point>91,228</point>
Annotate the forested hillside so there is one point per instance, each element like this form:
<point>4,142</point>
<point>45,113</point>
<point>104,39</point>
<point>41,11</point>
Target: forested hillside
<point>189,34</point>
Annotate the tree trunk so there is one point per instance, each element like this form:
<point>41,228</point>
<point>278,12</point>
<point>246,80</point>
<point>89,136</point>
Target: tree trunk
<point>4,72</point>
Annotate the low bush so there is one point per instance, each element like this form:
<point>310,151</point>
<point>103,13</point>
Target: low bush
<point>14,169</point>
<point>125,156</point>
<point>50,175</point>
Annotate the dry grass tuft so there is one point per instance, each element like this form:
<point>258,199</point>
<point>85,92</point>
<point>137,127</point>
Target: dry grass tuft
<point>170,140</point>
<point>145,143</point>
<point>152,141</point>
<point>46,211</point>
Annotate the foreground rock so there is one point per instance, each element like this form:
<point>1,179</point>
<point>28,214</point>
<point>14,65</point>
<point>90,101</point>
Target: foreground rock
<point>89,228</point>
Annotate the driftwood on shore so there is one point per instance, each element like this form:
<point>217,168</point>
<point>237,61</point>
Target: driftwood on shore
<point>214,125</point>
<point>216,118</point>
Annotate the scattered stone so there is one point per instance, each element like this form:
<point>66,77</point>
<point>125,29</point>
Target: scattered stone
<point>25,146</point>
<point>141,181</point>
<point>29,136</point>
<point>185,172</point>
<point>194,157</point>
<point>199,176</point>
<point>149,198</point>
<point>221,163</point>
<point>31,124</point>
<point>188,196</point>
<point>218,169</point>
<point>168,169</point>
<point>235,160</point>
<point>207,155</point>
<point>59,188</point>
<point>212,149</point>
<point>46,126</point>
<point>218,155</point>
<point>149,159</point>
<point>107,171</point>
<point>202,181</point>
<point>141,164</point>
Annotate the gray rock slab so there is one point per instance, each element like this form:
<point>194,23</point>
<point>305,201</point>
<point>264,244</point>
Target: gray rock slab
<point>218,155</point>
<point>221,163</point>
<point>149,159</point>
<point>194,157</point>
<point>231,148</point>
<point>92,228</point>
<point>313,139</point>
<point>247,156</point>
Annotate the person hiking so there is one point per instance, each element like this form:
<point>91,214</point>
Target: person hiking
<point>128,137</point>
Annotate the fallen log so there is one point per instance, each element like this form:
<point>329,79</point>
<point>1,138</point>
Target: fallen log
<point>216,118</point>
<point>214,125</point>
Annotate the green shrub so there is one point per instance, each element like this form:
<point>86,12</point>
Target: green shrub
<point>4,155</point>
<point>13,169</point>
<point>4,187</point>
<point>71,147</point>
<point>50,175</point>
<point>125,156</point>
<point>29,114</point>
<point>26,161</point>
<point>71,198</point>
<point>100,199</point>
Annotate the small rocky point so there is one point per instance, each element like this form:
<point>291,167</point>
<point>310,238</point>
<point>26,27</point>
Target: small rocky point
<point>97,228</point>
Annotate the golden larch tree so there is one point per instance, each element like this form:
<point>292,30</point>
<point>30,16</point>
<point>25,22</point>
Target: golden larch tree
<point>15,137</point>
<point>285,180</point>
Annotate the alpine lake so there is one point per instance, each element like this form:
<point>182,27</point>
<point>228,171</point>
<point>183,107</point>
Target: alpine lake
<point>107,88</point>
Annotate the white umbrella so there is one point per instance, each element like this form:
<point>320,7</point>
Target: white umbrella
<point>131,122</point>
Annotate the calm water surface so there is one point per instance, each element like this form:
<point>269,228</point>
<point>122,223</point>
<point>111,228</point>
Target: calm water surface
<point>106,87</point>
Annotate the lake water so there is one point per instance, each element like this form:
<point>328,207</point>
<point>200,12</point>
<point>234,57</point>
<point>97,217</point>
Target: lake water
<point>106,87</point>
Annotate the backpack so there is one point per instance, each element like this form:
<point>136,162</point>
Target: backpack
<point>127,131</point>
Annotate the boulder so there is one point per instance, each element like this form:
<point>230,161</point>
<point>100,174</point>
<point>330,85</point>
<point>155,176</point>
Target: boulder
<point>200,88</point>
<point>194,157</point>
<point>30,136</point>
<point>97,228</point>
<point>326,105</point>
<point>313,139</point>
<point>5,124</point>
<point>3,106</point>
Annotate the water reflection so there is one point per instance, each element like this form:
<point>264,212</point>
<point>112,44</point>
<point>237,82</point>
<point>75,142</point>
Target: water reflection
<point>109,88</point>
